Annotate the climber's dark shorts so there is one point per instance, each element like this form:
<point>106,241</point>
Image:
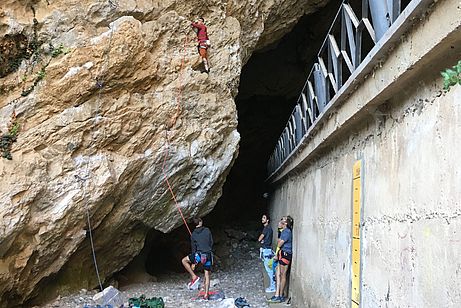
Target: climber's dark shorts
<point>204,258</point>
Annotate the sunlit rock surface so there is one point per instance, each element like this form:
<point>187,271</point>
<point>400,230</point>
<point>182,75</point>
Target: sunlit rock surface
<point>108,103</point>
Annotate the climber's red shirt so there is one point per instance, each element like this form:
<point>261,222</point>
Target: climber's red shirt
<point>202,34</point>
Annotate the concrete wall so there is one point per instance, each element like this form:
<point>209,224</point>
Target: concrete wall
<point>410,143</point>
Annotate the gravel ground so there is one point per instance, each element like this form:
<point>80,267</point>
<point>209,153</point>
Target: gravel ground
<point>242,278</point>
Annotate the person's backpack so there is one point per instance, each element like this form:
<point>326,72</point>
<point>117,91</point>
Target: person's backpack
<point>143,302</point>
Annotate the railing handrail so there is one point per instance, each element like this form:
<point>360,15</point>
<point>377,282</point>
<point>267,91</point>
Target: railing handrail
<point>325,79</point>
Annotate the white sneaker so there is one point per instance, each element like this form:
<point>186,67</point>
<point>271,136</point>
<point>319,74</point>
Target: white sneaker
<point>270,290</point>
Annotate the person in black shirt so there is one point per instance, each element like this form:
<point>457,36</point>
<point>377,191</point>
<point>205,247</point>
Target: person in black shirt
<point>201,253</point>
<point>266,252</point>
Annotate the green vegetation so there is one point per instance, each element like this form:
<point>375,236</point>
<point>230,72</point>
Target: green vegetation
<point>53,52</point>
<point>41,74</point>
<point>14,49</point>
<point>451,76</point>
<point>57,51</point>
<point>7,139</point>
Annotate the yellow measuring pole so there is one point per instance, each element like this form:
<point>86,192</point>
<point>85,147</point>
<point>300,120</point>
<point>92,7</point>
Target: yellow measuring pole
<point>355,247</point>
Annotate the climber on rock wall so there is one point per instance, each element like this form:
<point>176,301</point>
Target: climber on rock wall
<point>203,41</point>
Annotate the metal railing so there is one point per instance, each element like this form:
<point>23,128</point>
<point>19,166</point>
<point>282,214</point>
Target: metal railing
<point>335,64</point>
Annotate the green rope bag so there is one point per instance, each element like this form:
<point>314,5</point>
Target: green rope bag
<point>143,302</point>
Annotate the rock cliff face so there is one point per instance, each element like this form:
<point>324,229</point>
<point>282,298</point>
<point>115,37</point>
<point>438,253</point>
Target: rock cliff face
<point>108,103</point>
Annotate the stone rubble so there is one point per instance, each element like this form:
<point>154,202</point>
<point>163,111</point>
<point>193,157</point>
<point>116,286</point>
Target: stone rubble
<point>242,278</point>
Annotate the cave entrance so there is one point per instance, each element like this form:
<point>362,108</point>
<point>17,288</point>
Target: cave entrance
<point>270,84</point>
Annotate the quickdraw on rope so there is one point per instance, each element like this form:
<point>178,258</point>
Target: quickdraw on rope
<point>173,122</point>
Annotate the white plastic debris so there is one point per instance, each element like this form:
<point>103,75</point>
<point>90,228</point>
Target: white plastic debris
<point>109,296</point>
<point>226,303</point>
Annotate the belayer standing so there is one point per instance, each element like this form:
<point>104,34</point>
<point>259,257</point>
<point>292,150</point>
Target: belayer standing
<point>201,253</point>
<point>203,41</point>
<point>283,256</point>
<point>266,251</point>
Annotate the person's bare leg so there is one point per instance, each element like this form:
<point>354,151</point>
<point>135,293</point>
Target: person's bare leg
<point>203,54</point>
<point>277,278</point>
<point>283,278</point>
<point>205,64</point>
<point>207,60</point>
<point>187,265</point>
<point>207,283</point>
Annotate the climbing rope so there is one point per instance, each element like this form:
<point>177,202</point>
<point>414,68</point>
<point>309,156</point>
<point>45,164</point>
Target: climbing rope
<point>168,183</point>
<point>178,99</point>
<point>90,232</point>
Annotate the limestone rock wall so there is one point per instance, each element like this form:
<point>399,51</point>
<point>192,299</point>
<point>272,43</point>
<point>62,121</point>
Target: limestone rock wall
<point>103,91</point>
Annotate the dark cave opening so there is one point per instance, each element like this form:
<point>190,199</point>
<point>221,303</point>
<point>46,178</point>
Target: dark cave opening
<point>269,86</point>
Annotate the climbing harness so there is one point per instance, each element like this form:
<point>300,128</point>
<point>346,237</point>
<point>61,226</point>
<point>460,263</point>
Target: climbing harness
<point>284,257</point>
